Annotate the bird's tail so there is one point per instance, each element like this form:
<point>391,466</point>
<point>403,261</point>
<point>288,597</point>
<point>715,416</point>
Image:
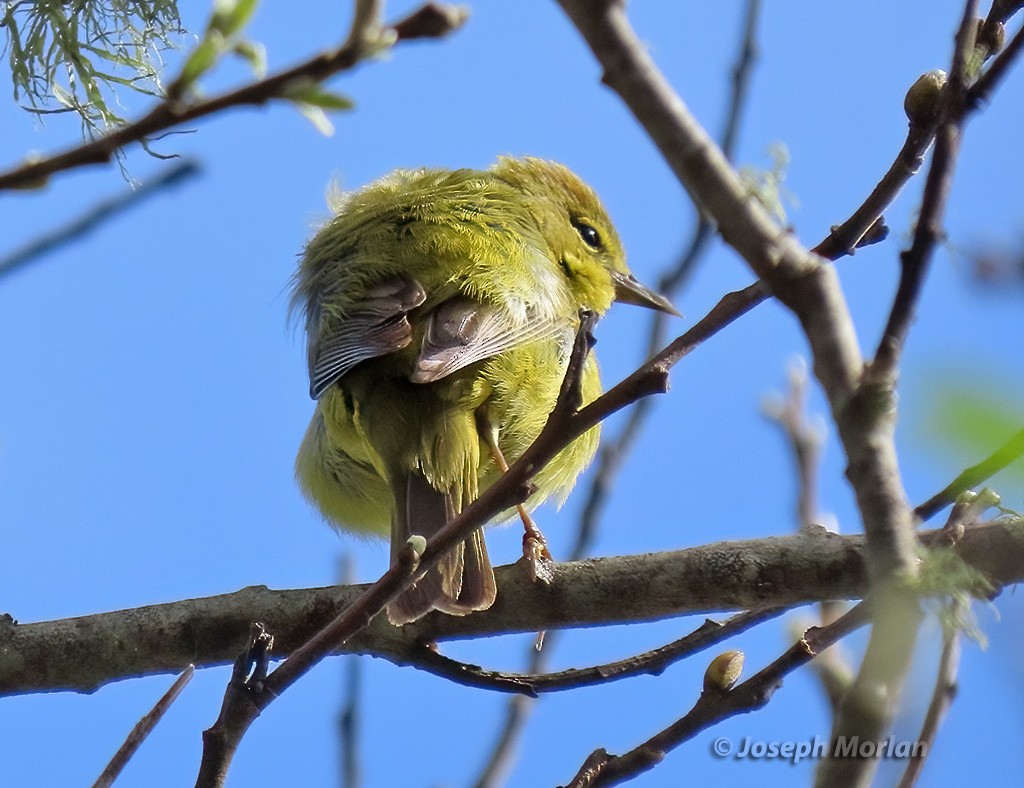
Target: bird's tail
<point>462,581</point>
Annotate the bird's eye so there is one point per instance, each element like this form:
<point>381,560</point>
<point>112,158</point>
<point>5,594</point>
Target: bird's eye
<point>589,235</point>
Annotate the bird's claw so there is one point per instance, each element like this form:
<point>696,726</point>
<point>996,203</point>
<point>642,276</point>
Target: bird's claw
<point>538,557</point>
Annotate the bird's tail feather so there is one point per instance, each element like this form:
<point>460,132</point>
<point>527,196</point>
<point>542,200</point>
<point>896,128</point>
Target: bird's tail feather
<point>462,581</point>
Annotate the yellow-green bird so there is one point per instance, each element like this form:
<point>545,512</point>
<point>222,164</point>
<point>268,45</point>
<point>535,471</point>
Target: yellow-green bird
<point>440,310</point>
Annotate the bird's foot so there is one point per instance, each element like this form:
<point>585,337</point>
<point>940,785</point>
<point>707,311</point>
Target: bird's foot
<point>538,556</point>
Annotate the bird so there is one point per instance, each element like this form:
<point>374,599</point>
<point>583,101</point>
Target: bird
<point>440,309</point>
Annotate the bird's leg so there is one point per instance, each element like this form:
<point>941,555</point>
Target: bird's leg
<point>535,546</point>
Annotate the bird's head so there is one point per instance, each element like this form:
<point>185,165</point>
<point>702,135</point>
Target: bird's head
<point>581,237</point>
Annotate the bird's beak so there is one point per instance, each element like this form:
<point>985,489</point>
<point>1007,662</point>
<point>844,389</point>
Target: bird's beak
<point>629,291</point>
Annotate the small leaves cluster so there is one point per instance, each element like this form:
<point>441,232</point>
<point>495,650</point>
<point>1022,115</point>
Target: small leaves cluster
<point>766,185</point>
<point>223,36</point>
<point>71,57</point>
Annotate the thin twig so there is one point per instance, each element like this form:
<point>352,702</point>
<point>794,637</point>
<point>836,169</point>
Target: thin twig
<point>830,667</point>
<point>742,71</point>
<point>501,755</point>
<point>915,260</point>
<point>942,696</point>
<point>350,715</point>
<point>981,91</point>
<point>613,452</point>
<point>142,729</point>
<point>430,20</point>
<point>245,699</point>
<point>712,706</point>
<point>866,224</point>
<point>790,411</point>
<point>1012,450</point>
<point>649,663</point>
<point>804,440</point>
<point>221,741</point>
<point>845,238</point>
<point>101,212</point>
<point>239,708</point>
<point>350,723</point>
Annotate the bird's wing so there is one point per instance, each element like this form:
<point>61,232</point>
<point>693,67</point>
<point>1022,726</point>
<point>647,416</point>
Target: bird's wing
<point>461,331</point>
<point>380,325</point>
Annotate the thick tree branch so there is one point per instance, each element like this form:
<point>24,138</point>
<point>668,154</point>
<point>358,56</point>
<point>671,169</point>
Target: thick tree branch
<point>799,279</point>
<point>863,408</point>
<point>810,288</point>
<point>869,707</point>
<point>83,654</point>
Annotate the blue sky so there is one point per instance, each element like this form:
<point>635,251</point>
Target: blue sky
<point>153,395</point>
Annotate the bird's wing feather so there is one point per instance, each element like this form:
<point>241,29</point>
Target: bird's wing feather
<point>462,331</point>
<point>378,326</point>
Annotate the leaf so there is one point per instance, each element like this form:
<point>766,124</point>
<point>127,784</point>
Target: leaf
<point>63,96</point>
<point>201,60</point>
<point>978,421</point>
<point>255,54</point>
<point>316,116</point>
<point>230,16</point>
<point>315,95</point>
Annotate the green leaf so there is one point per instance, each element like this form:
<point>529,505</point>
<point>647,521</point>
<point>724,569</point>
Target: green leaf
<point>230,16</point>
<point>316,116</point>
<point>63,96</point>
<point>255,54</point>
<point>202,59</point>
<point>317,96</point>
<point>978,422</point>
<point>49,42</point>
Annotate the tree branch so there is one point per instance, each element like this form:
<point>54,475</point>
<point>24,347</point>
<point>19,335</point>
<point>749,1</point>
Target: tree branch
<point>431,20</point>
<point>244,701</point>
<point>350,715</point>
<point>942,697</point>
<point>142,729</point>
<point>797,278</point>
<point>1012,450</point>
<point>862,408</point>
<point>789,412</point>
<point>614,451</point>
<point>172,175</point>
<point>714,705</point>
<point>870,705</point>
<point>915,260</point>
<point>83,654</point>
<point>650,663</point>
